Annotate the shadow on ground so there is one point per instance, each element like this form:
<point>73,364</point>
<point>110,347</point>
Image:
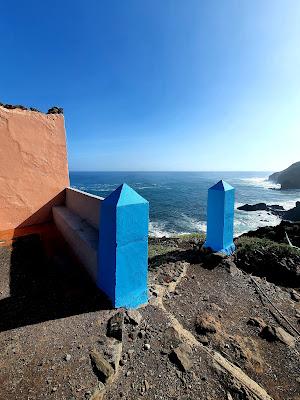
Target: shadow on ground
<point>44,287</point>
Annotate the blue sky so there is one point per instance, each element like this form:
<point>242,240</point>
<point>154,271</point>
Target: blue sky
<point>160,85</point>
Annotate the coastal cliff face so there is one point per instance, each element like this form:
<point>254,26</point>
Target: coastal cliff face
<point>288,178</point>
<point>33,166</point>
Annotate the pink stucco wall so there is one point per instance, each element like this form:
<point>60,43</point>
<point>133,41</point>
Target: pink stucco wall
<point>33,166</point>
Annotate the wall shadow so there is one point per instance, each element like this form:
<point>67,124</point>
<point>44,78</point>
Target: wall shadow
<point>46,281</point>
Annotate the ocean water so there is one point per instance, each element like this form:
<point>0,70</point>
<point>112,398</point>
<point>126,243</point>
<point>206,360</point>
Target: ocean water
<point>178,199</point>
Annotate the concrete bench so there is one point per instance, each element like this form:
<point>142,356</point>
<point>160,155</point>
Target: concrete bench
<point>78,222</point>
<point>110,239</point>
<point>81,237</point>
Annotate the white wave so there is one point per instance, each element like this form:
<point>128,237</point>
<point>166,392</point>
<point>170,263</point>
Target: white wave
<point>248,221</point>
<point>191,224</point>
<point>146,187</point>
<point>158,229</point>
<point>259,181</point>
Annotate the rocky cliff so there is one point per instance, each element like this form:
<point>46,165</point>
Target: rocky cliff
<point>288,178</point>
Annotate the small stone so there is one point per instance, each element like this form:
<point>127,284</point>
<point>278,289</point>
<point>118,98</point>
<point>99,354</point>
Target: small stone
<point>147,346</point>
<point>104,370</point>
<point>206,323</point>
<point>203,339</point>
<point>272,333</point>
<point>141,334</point>
<point>258,322</point>
<point>130,353</point>
<point>99,392</point>
<point>55,110</point>
<point>147,386</point>
<point>128,373</point>
<point>284,337</point>
<point>295,295</point>
<point>171,338</point>
<point>68,357</point>
<point>133,317</point>
<point>115,326</point>
<point>181,357</point>
<point>54,389</point>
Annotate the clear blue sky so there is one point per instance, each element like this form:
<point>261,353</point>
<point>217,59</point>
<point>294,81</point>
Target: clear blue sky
<point>160,84</point>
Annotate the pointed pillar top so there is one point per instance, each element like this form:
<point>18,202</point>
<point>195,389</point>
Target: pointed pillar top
<point>222,186</point>
<point>124,195</point>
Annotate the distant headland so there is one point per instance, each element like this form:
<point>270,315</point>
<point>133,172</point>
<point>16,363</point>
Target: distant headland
<point>289,178</point>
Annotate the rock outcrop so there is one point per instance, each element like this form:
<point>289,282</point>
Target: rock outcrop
<point>292,214</point>
<point>261,207</point>
<point>288,178</point>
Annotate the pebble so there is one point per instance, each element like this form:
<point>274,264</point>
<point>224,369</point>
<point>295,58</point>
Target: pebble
<point>141,334</point>
<point>147,346</point>
<point>68,357</point>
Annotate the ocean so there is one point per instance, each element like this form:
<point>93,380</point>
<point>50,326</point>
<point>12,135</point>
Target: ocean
<point>178,199</point>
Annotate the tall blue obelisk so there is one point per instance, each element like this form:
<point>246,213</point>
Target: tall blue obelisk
<point>220,218</point>
<point>123,248</point>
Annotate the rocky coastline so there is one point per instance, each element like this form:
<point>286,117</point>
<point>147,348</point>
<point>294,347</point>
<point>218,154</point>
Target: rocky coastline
<point>292,214</point>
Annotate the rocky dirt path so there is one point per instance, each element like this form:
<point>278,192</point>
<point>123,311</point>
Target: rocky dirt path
<point>207,333</point>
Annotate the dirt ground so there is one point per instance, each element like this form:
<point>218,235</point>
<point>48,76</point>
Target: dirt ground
<point>53,319</point>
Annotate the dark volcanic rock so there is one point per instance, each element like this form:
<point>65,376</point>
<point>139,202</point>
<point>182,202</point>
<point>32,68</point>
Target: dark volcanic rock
<point>274,208</point>
<point>55,110</point>
<point>115,326</point>
<point>293,214</point>
<point>278,233</point>
<point>254,207</point>
<point>288,178</point>
<point>288,215</point>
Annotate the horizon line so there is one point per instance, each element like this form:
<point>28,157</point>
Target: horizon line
<point>267,171</point>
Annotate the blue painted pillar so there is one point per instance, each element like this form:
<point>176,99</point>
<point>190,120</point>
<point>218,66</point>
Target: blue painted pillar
<point>123,248</point>
<point>220,218</point>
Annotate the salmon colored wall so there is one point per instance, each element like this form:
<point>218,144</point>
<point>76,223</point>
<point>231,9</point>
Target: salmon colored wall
<point>33,166</point>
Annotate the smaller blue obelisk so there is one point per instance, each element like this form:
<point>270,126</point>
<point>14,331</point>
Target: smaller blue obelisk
<point>220,218</point>
<point>123,248</point>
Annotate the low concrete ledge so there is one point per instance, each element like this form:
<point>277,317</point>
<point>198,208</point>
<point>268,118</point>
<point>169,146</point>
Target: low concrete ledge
<point>81,236</point>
